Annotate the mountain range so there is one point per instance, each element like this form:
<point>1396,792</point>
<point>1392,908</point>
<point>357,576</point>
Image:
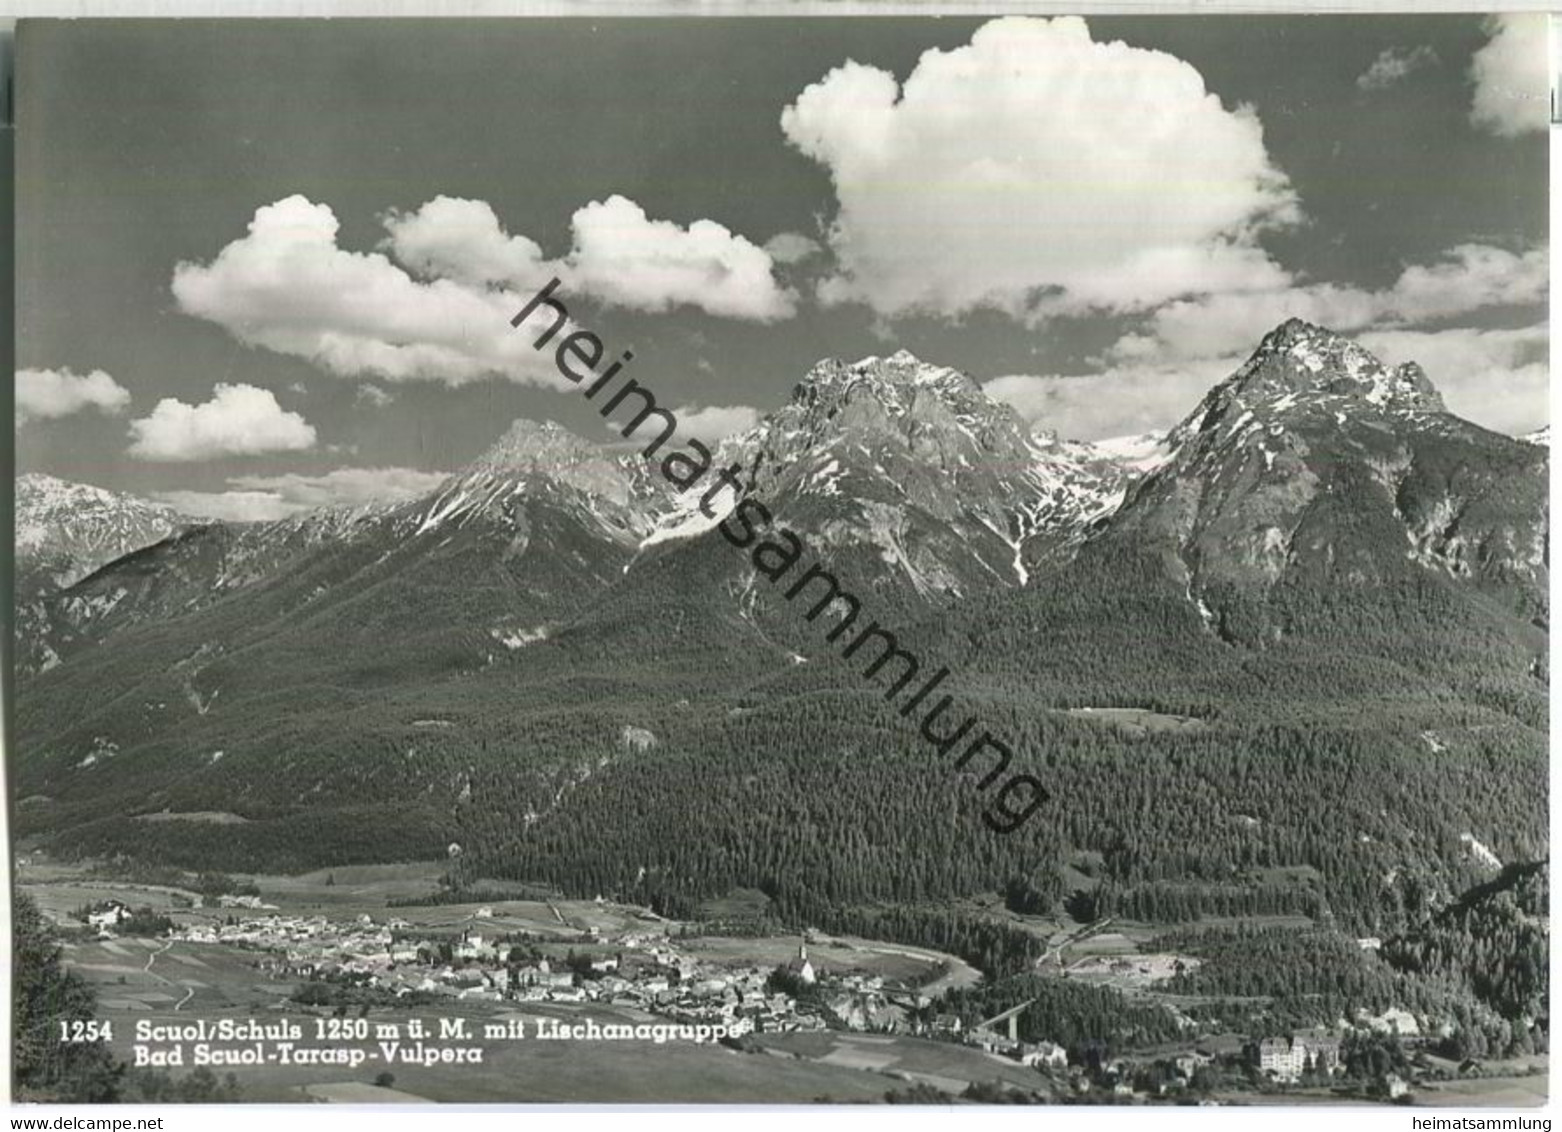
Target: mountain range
<point>1303,630</point>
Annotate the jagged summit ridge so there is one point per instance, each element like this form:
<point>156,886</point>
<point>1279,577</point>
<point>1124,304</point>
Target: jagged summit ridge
<point>1311,461</point>
<point>897,405</point>
<point>885,393</point>
<point>1298,357</point>
<point>529,444</point>
<point>1299,371</point>
<point>75,527</point>
<point>1315,460</point>
<point>915,458</point>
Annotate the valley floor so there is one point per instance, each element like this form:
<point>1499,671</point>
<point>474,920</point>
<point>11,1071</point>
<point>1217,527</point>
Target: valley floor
<point>325,953</point>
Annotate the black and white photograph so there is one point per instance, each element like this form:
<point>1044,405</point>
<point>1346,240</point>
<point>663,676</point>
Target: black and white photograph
<point>767,560</point>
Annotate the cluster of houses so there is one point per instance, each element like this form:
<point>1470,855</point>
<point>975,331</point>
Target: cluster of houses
<point>636,970</point>
<point>1159,1077</point>
<point>1040,1055</point>
<point>105,919</point>
<point>254,903</point>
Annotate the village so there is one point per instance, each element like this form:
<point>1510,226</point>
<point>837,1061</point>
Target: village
<point>349,963</point>
<point>636,970</point>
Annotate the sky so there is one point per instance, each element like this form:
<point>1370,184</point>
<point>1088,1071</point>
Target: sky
<point>268,265</point>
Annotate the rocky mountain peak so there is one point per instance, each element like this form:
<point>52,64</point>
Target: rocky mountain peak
<point>548,451</point>
<point>1315,460</point>
<point>51,512</point>
<point>1300,369</point>
<point>529,444</point>
<point>533,462</point>
<point>66,530</point>
<point>35,489</point>
<point>895,381</point>
<point>917,467</point>
<point>1299,358</point>
<point>900,400</point>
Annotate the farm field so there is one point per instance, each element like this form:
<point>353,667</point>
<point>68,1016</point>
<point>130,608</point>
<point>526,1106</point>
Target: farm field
<point>343,892</point>
<point>135,976</point>
<point>58,900</point>
<point>532,1070</point>
<point>838,954</point>
<point>1519,1089</point>
<point>1503,1092</point>
<point>944,1065</point>
<point>351,885</point>
<point>355,1092</point>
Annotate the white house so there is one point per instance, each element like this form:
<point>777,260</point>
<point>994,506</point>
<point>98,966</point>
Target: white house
<point>110,917</point>
<point>1044,1053</point>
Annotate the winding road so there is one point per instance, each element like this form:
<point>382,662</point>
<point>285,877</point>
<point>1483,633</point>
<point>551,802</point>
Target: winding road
<point>189,992</point>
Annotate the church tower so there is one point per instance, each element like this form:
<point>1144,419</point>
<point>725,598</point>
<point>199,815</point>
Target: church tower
<point>805,969</point>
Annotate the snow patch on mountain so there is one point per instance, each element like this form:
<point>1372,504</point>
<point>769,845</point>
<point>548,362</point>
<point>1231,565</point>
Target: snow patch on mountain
<point>71,529</point>
<point>1137,454</point>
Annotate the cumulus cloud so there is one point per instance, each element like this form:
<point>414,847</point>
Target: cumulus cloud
<point>1394,64</point>
<point>714,422</point>
<point>288,287</point>
<point>239,420</point>
<point>45,394</point>
<point>619,256</point>
<point>462,240</point>
<point>264,498</point>
<point>1120,401</point>
<point>372,395</point>
<point>791,247</point>
<point>1512,76</point>
<point>1469,277</point>
<point>1037,171</point>
<point>624,258</point>
<point>438,307</point>
<point>1496,378</point>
